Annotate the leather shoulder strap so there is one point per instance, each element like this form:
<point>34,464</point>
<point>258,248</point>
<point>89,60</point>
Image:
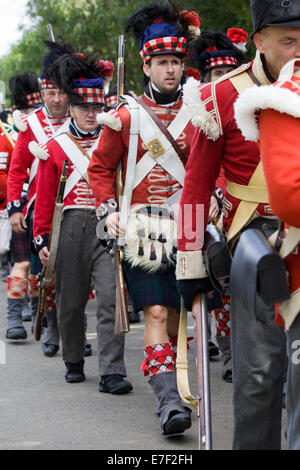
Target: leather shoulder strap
<point>245,209</point>
<point>243,81</point>
<point>163,129</point>
<point>82,150</point>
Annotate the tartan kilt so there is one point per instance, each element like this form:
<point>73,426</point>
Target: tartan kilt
<point>158,288</point>
<point>20,247</point>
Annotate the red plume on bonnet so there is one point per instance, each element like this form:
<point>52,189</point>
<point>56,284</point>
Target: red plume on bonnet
<point>191,72</point>
<point>192,20</point>
<point>237,35</point>
<point>191,17</point>
<point>106,68</point>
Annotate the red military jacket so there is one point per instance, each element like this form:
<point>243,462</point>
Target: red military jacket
<point>5,159</point>
<point>49,172</point>
<point>217,142</point>
<point>158,185</point>
<point>23,160</point>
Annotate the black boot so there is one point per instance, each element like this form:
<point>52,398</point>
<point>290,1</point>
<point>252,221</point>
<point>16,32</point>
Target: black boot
<point>174,417</point>
<point>75,372</point>
<point>115,384</point>
<point>15,328</point>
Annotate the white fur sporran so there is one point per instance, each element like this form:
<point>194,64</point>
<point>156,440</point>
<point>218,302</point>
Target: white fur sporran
<point>150,238</point>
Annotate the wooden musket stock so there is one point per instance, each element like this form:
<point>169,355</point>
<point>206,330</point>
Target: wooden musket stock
<point>122,325</point>
<point>46,277</point>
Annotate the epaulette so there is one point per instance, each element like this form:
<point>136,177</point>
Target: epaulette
<point>20,120</point>
<point>196,108</point>
<point>110,119</point>
<point>38,150</point>
<point>208,121</point>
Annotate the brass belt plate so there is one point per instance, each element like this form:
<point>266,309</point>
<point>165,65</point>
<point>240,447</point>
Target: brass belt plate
<point>155,148</point>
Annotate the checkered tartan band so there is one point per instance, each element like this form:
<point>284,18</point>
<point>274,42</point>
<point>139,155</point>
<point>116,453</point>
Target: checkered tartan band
<point>213,62</point>
<point>46,84</point>
<point>222,316</point>
<point>159,358</point>
<point>33,98</point>
<point>91,95</point>
<point>111,100</point>
<point>16,287</point>
<point>168,45</point>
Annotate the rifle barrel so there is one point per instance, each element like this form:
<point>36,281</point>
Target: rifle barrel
<point>203,379</point>
<point>206,374</point>
<point>121,67</point>
<point>51,33</point>
<point>63,180</point>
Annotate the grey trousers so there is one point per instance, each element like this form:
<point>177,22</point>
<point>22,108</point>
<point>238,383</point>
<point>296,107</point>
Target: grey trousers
<point>259,363</point>
<point>293,387</point>
<point>80,259</point>
<point>51,333</point>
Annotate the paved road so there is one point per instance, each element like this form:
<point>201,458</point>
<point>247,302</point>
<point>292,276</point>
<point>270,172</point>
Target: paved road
<point>39,410</point>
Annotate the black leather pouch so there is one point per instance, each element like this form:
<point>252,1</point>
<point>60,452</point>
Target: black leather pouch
<point>217,256</point>
<point>257,269</point>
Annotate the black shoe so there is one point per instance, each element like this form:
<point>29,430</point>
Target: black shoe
<point>50,350</point>
<point>18,332</point>
<point>87,350</point>
<point>227,376</point>
<point>115,384</point>
<point>134,317</point>
<point>177,423</point>
<point>213,350</point>
<point>74,372</point>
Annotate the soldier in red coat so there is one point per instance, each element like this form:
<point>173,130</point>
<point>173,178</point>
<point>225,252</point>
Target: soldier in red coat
<point>215,54</point>
<point>38,126</point>
<point>153,172</point>
<point>278,108</point>
<point>80,257</point>
<point>258,344</point>
<point>5,158</point>
<point>26,98</point>
<point>6,147</point>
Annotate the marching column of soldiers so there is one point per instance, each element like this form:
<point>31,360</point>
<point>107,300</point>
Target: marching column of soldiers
<point>220,145</point>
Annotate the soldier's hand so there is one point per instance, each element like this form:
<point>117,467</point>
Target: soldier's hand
<point>113,226</point>
<point>17,221</point>
<point>189,288</point>
<point>44,255</point>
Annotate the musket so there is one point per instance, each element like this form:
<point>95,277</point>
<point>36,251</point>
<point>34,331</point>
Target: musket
<point>199,312</point>
<point>121,67</point>
<point>46,277</point>
<point>122,325</point>
<point>51,33</point>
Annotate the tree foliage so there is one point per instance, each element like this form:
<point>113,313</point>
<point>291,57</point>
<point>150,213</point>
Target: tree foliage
<point>93,26</point>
